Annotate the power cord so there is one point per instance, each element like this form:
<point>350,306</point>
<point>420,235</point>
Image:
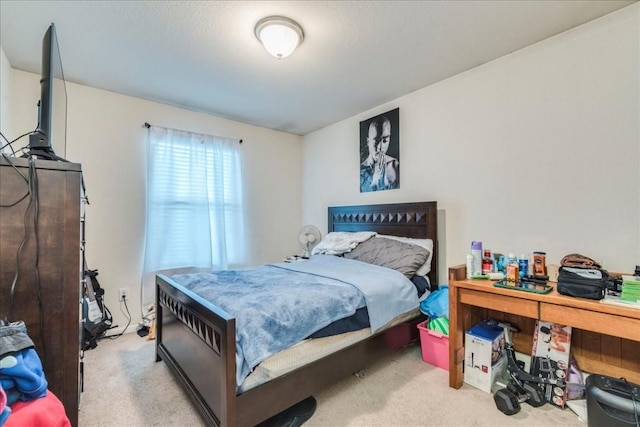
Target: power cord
<point>10,143</point>
<point>127,315</point>
<point>36,212</point>
<point>24,178</point>
<point>14,282</point>
<point>32,192</point>
<point>7,144</point>
<point>633,400</point>
<point>8,315</point>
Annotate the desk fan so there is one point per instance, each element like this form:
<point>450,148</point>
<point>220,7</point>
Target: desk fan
<point>309,236</point>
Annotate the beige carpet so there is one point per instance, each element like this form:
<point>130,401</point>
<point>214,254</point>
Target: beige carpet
<point>124,386</point>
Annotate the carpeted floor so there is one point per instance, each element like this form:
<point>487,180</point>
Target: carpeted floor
<point>124,386</point>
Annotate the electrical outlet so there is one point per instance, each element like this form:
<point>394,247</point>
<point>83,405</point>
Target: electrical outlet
<point>124,294</point>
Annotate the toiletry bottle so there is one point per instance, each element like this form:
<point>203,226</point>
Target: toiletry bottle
<point>523,265</point>
<point>476,251</point>
<point>469,265</point>
<point>539,264</point>
<point>487,263</point>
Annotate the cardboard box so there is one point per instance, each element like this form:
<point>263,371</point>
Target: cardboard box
<point>484,356</point>
<point>550,358</point>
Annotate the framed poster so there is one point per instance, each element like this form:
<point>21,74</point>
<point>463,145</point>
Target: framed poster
<point>380,152</point>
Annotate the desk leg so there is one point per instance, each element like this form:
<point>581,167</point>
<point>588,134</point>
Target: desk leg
<point>456,338</point>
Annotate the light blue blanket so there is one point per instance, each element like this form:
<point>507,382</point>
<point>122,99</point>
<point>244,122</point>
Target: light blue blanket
<point>278,305</point>
<point>387,292</point>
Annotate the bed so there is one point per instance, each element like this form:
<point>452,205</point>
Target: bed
<point>197,340</point>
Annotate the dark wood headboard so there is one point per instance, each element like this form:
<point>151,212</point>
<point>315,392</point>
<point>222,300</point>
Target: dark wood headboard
<point>417,220</point>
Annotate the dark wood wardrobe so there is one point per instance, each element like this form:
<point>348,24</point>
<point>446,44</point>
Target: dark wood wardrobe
<point>49,265</point>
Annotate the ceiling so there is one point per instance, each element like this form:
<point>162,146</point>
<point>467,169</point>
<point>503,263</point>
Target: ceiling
<point>203,55</point>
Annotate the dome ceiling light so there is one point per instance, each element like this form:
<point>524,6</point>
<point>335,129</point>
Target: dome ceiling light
<point>279,35</point>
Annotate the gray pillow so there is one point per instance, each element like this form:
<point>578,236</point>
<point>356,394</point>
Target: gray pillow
<point>403,257</point>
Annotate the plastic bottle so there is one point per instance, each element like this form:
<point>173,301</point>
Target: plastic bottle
<point>476,251</point>
<point>469,265</point>
<point>487,263</point>
<point>511,259</point>
<point>513,275</point>
<point>539,264</point>
<point>523,265</point>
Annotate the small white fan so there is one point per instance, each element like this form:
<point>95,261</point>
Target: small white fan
<point>309,237</point>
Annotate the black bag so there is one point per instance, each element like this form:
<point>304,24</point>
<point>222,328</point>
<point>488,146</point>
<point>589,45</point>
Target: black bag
<point>582,282</point>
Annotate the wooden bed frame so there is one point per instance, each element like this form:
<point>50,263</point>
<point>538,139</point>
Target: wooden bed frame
<point>197,340</point>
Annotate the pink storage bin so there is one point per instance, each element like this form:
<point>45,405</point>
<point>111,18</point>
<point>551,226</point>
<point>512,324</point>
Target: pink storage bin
<point>435,346</point>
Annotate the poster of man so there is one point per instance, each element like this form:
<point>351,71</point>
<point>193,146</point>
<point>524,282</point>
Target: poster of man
<point>380,152</point>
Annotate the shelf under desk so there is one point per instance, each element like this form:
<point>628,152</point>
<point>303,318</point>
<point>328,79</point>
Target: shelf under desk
<point>605,338</point>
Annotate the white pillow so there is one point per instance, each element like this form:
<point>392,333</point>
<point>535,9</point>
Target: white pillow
<point>425,243</point>
<point>339,242</point>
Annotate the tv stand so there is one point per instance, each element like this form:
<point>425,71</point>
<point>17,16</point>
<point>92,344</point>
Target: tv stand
<point>40,146</point>
<point>44,155</point>
<point>54,325</point>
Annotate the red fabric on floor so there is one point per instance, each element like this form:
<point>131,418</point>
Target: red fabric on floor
<point>46,411</point>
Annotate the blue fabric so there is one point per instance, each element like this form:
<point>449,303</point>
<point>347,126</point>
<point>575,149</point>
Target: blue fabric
<point>4,415</point>
<point>437,303</point>
<point>13,395</point>
<point>359,320</point>
<point>421,283</point>
<point>276,307</point>
<point>273,308</point>
<point>388,292</point>
<point>23,374</point>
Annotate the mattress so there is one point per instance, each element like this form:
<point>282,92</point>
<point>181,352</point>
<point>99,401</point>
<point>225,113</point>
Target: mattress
<point>310,350</point>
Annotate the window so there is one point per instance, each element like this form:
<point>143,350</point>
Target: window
<point>195,214</point>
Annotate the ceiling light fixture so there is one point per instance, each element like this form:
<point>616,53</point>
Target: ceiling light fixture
<point>279,35</point>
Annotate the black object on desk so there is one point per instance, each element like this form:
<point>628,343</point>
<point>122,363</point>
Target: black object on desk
<point>526,286</point>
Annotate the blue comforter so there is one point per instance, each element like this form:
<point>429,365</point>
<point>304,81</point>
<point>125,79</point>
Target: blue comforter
<point>278,305</point>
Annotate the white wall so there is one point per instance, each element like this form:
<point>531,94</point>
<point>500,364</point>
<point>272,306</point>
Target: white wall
<point>5,98</point>
<point>536,151</point>
<point>106,135</point>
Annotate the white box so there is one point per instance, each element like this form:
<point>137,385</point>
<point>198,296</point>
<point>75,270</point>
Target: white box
<point>484,356</point>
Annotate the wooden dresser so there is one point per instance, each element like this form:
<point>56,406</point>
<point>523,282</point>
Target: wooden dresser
<point>54,325</point>
<point>605,338</point>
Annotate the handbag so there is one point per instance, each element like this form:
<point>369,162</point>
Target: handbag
<point>582,282</point>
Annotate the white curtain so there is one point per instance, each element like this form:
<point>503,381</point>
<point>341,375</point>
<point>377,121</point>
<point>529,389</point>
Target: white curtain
<point>195,214</point>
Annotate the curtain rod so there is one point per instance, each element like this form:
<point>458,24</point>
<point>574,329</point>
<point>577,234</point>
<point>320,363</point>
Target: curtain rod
<point>148,125</point>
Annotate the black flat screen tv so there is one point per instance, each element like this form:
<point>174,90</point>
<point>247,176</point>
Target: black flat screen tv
<point>49,140</point>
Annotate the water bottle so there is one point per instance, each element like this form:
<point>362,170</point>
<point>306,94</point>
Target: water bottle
<point>523,265</point>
